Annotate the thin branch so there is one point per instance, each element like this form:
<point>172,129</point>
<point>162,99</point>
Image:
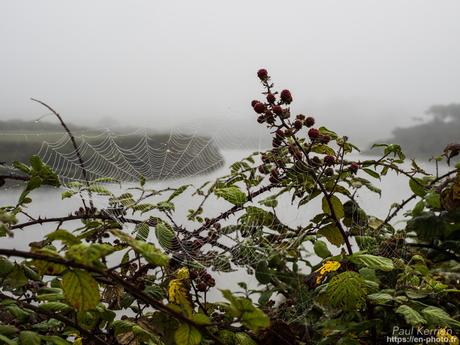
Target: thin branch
<point>75,146</point>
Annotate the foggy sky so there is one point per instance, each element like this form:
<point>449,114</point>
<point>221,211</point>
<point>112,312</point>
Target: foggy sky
<point>361,66</point>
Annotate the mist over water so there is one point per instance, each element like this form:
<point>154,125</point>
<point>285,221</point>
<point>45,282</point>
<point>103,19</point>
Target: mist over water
<point>360,67</point>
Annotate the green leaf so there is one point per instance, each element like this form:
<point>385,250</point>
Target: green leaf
<point>332,234</point>
<point>411,316</point>
<point>152,254</point>
<point>336,206</point>
<point>433,199</point>
<point>347,291</point>
<point>63,235</point>
<point>232,194</point>
<point>201,319</point>
<point>380,298</point>
<point>54,339</point>
<point>89,254</point>
<point>80,289</point>
<point>68,194</point>
<point>242,338</point>
<point>417,187</point>
<point>178,192</point>
<point>54,306</point>
<point>439,317</point>
<point>269,202</point>
<point>372,261</point>
<point>8,329</point>
<point>187,335</point>
<point>371,172</point>
<point>165,235</point>
<point>321,249</point>
<point>6,266</point>
<point>262,273</point>
<point>29,338</point>
<point>142,231</point>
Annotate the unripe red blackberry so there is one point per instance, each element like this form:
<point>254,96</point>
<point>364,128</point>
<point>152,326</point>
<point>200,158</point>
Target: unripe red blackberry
<point>298,124</point>
<point>277,110</point>
<point>259,108</point>
<point>271,98</point>
<point>254,102</point>
<point>329,172</point>
<point>262,74</point>
<point>201,286</point>
<point>329,160</point>
<point>354,167</point>
<point>309,121</point>
<point>286,96</point>
<point>313,133</point>
<point>193,275</point>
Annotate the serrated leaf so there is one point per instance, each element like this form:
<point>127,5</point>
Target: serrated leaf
<point>80,289</point>
<point>372,261</point>
<point>63,235</point>
<point>54,306</point>
<point>232,194</point>
<point>142,231</point>
<point>165,235</point>
<point>187,335</point>
<point>347,290</point>
<point>29,338</point>
<point>380,298</point>
<point>439,317</point>
<point>411,316</point>
<point>178,192</point>
<point>152,254</point>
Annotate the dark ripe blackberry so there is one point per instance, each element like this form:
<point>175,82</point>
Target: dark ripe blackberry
<point>212,282</point>
<point>106,235</point>
<point>265,158</point>
<point>316,161</point>
<point>261,119</point>
<point>298,124</point>
<point>254,102</point>
<point>274,172</point>
<point>201,286</point>
<point>329,160</point>
<point>273,179</point>
<point>329,172</point>
<point>276,142</point>
<point>271,98</point>
<point>259,108</point>
<point>324,139</point>
<point>217,226</point>
<point>309,121</point>
<point>116,241</point>
<point>263,169</point>
<point>313,133</point>
<point>277,110</point>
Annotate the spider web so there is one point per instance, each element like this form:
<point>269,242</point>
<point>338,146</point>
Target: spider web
<point>180,155</point>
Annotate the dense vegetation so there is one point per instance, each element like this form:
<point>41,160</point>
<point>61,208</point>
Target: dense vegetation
<point>425,140</point>
<point>131,274</point>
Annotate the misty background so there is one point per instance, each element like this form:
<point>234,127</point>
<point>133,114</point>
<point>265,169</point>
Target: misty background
<point>361,67</point>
